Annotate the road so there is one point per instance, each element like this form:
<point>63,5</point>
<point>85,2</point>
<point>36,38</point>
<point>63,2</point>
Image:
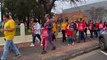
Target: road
<point>94,55</point>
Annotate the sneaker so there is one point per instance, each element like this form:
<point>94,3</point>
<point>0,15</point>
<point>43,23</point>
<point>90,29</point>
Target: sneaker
<point>39,41</point>
<point>72,43</point>
<point>32,45</point>
<point>54,48</point>
<point>43,52</point>
<point>17,56</point>
<point>68,44</point>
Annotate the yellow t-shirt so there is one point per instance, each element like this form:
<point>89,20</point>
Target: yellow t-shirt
<point>9,35</point>
<point>54,27</point>
<point>63,26</point>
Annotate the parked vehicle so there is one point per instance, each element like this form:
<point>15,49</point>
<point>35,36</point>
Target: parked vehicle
<point>103,40</point>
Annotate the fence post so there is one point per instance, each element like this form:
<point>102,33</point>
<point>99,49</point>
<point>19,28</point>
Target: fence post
<point>22,31</point>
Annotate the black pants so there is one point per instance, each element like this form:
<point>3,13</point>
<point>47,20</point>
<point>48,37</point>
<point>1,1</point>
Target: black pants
<point>36,35</point>
<point>81,36</point>
<point>91,33</point>
<point>53,37</point>
<point>96,33</point>
<point>85,31</point>
<point>63,36</point>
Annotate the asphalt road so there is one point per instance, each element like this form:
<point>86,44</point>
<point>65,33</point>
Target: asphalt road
<point>94,55</point>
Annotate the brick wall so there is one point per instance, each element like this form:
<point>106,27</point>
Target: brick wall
<point>74,15</point>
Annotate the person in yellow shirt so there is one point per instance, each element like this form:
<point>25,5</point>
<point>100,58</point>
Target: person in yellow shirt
<point>63,28</point>
<point>9,33</point>
<point>54,30</point>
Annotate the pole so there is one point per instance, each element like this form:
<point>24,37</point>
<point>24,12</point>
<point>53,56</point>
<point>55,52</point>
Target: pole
<point>0,14</point>
<point>0,11</point>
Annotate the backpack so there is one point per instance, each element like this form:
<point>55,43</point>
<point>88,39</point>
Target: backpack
<point>70,27</point>
<point>44,33</point>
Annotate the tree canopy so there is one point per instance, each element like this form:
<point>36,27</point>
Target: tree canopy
<point>25,8</point>
<point>96,13</point>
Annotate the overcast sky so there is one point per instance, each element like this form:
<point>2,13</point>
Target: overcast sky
<point>65,5</point>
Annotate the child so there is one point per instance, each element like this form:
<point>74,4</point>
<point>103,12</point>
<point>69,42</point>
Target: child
<point>32,28</point>
<point>44,35</point>
<point>69,32</point>
<point>36,31</point>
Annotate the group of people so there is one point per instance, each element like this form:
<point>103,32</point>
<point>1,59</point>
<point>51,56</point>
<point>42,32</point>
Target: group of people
<point>70,29</point>
<point>47,32</point>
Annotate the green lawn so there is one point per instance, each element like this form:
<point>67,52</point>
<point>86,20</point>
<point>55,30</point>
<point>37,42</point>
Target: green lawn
<point>27,31</point>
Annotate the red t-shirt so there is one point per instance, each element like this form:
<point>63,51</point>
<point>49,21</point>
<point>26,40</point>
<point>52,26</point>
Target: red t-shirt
<point>90,26</point>
<point>81,26</point>
<point>101,26</point>
<point>97,25</point>
<point>69,33</point>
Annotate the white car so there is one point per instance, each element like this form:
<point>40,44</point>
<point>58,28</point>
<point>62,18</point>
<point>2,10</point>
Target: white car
<point>103,40</point>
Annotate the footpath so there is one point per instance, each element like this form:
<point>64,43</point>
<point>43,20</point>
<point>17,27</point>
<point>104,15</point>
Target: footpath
<point>62,52</point>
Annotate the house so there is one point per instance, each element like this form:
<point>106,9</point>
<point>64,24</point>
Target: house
<point>78,12</point>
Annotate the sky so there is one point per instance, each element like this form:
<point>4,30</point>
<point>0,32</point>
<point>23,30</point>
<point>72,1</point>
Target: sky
<point>66,5</point>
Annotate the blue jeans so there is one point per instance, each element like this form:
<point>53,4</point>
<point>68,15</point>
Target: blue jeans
<point>6,48</point>
<point>69,40</point>
<point>81,36</point>
<point>101,30</point>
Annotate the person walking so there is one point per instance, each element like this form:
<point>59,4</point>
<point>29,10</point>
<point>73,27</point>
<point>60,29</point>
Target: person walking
<point>91,28</point>
<point>101,26</point>
<point>81,28</point>
<point>44,41</point>
<point>9,33</point>
<point>36,32</point>
<point>63,28</point>
<point>49,26</point>
<point>96,28</point>
<point>69,32</point>
<point>54,29</point>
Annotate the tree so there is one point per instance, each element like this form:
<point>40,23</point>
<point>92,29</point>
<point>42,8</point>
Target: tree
<point>96,13</point>
<point>27,8</point>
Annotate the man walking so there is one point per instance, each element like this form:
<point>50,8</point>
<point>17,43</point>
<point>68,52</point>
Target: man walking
<point>49,25</point>
<point>9,33</point>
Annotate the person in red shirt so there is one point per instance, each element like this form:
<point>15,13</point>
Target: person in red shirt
<point>91,28</point>
<point>105,26</point>
<point>96,28</point>
<point>81,28</point>
<point>101,26</point>
<point>69,33</point>
<point>44,35</point>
